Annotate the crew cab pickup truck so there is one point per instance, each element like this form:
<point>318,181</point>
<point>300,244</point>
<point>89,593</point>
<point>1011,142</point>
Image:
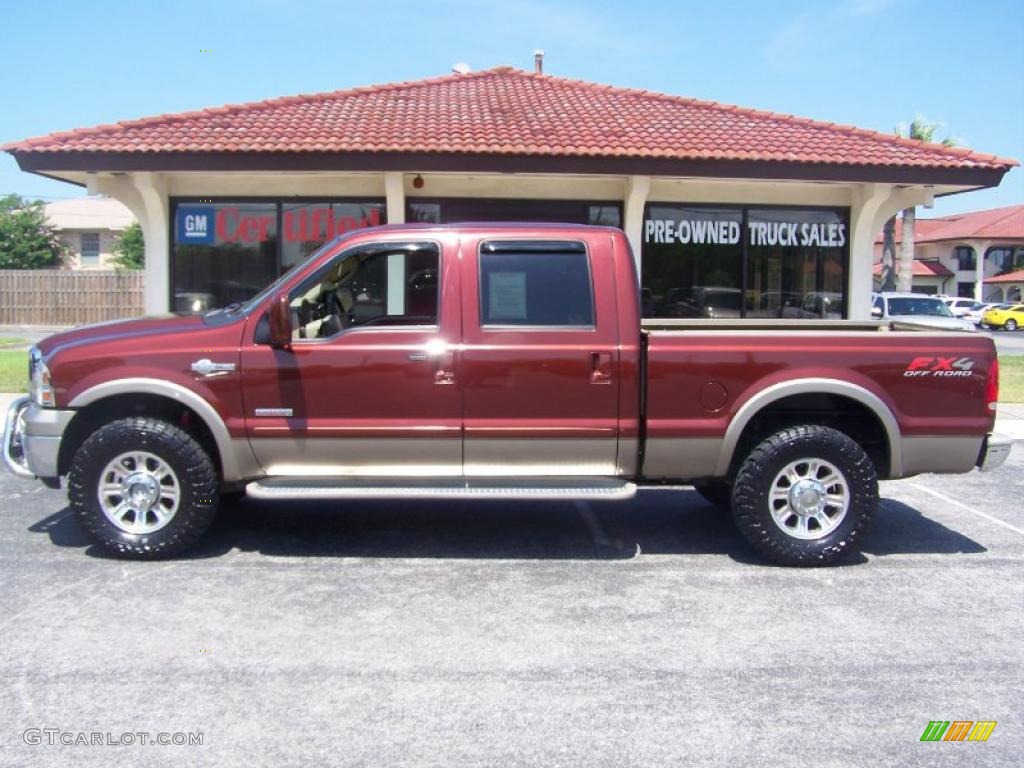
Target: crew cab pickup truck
<point>484,361</point>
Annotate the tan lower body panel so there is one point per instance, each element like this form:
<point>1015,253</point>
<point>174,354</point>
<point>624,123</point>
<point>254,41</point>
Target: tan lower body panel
<point>354,457</point>
<point>681,458</point>
<point>540,457</point>
<point>941,454</point>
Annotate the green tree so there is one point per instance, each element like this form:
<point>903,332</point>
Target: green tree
<point>130,248</point>
<point>27,241</point>
<point>920,129</point>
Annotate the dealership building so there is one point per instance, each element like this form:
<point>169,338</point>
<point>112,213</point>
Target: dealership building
<point>731,212</point>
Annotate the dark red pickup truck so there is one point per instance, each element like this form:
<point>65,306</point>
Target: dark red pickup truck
<point>485,361</point>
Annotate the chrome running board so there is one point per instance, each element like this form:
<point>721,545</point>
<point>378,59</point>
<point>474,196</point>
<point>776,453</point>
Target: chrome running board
<point>591,488</point>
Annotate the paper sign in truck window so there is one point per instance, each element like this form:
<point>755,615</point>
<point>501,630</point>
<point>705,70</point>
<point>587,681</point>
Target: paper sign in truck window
<point>507,295</point>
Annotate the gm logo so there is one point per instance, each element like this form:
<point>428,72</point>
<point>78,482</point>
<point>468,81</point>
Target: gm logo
<point>194,225</point>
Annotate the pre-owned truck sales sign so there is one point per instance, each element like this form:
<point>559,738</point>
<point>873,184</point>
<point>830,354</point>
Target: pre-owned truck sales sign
<point>717,232</point>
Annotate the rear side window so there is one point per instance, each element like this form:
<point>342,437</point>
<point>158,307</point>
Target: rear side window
<point>535,283</point>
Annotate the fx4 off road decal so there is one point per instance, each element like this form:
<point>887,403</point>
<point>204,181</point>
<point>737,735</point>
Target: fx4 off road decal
<point>940,366</point>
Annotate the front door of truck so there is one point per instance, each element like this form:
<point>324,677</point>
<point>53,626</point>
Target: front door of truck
<point>368,385</point>
<point>539,366</point>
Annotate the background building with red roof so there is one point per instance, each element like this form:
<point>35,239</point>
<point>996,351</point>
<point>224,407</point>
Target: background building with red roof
<point>976,255</point>
<point>775,210</point>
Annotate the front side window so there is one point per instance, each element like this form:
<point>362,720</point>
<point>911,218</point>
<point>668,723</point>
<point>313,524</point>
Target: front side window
<point>535,284</point>
<point>382,288</point>
<point>90,249</point>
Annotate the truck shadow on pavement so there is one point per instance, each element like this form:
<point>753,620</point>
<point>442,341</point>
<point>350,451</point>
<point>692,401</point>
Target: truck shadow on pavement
<point>660,522</point>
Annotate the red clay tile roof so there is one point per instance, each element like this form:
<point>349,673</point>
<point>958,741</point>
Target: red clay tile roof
<point>1009,277</point>
<point>929,268</point>
<point>993,224</point>
<point>506,111</point>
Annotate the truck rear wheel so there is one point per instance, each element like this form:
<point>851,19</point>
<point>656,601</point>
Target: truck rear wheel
<point>805,496</point>
<point>143,488</point>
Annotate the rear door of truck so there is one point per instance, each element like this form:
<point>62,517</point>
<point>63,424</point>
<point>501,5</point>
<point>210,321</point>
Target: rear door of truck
<point>539,367</point>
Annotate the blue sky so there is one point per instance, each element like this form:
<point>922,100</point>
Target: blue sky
<point>872,63</point>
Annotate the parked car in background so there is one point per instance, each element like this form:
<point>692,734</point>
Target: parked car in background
<point>966,308</point>
<point>917,309</point>
<point>1007,317</point>
<point>704,301</point>
<point>828,306</point>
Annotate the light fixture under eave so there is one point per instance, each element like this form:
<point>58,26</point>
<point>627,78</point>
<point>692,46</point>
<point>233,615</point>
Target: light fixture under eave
<point>418,182</point>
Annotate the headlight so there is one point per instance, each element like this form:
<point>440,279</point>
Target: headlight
<point>39,380</point>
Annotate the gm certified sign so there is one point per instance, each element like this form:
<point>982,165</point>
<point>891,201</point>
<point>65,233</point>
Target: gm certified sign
<point>194,225</point>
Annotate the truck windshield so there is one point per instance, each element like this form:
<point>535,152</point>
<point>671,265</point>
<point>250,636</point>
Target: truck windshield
<point>909,306</point>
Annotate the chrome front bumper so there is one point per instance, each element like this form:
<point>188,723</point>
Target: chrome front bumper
<point>994,452</point>
<point>14,438</point>
<point>32,438</point>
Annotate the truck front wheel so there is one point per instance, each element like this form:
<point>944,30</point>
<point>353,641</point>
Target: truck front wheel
<point>805,496</point>
<point>143,488</point>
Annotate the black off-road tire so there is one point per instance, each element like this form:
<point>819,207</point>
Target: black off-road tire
<point>195,471</point>
<point>717,493</point>
<point>750,497</point>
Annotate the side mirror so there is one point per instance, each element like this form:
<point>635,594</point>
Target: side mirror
<point>876,312</point>
<point>280,321</point>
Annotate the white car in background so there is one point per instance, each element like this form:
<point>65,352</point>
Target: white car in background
<point>967,308</point>
<point>918,309</point>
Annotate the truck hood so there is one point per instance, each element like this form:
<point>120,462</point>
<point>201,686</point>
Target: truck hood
<point>117,330</point>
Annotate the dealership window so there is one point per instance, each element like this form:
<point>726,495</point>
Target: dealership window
<point>965,258</point>
<point>540,286</point>
<point>692,261</point>
<point>224,251</point>
<point>722,262</point>
<point>90,249</point>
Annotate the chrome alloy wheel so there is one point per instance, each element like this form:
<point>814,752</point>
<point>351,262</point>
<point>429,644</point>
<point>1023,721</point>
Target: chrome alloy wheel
<point>138,492</point>
<point>809,498</point>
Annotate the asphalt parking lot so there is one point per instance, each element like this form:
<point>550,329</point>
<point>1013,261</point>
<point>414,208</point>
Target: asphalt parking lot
<point>641,633</point>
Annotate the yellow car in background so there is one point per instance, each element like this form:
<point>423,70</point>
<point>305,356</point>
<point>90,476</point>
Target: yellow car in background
<point>1009,317</point>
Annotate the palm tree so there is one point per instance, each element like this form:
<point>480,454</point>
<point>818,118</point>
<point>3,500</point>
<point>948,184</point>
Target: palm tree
<point>921,130</point>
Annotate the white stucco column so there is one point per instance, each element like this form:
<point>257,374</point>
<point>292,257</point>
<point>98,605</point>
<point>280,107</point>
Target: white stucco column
<point>156,229</point>
<point>634,200</point>
<point>866,206</point>
<point>145,195</point>
<point>871,206</point>
<point>394,192</point>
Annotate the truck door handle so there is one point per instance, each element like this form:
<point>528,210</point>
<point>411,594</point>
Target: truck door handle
<point>444,361</point>
<point>600,367</point>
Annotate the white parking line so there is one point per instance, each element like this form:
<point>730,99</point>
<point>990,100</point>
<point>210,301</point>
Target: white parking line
<point>956,503</point>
